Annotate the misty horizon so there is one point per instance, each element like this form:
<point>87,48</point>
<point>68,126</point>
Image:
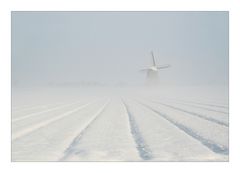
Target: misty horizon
<point>109,48</point>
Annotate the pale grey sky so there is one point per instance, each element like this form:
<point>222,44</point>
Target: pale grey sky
<point>112,47</point>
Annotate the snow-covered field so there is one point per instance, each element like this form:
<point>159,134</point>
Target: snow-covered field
<point>146,124</point>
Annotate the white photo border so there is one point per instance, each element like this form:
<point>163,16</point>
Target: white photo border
<point>124,5</point>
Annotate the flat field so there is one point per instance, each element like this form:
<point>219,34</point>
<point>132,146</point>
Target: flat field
<point>120,124</point>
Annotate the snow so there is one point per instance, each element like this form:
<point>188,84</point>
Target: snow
<point>106,138</point>
<point>129,124</point>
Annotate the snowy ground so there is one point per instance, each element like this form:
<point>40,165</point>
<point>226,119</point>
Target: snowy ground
<point>59,124</point>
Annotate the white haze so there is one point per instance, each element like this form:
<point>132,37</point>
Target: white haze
<point>109,48</point>
<point>78,93</point>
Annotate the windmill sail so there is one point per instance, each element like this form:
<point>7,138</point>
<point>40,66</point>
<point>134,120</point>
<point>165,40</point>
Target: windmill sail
<point>152,72</point>
<point>153,59</point>
<point>163,66</point>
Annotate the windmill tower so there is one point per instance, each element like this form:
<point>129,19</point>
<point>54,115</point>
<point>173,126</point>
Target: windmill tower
<point>152,72</point>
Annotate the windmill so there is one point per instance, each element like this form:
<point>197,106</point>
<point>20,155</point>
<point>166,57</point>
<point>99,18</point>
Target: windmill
<point>152,72</point>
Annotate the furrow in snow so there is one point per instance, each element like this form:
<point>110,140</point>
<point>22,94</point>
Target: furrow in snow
<point>195,114</point>
<point>205,108</point>
<point>220,149</point>
<point>201,106</point>
<point>43,112</point>
<point>30,129</point>
<point>192,108</point>
<point>48,143</point>
<point>19,108</point>
<point>29,108</point>
<point>70,149</point>
<point>38,108</point>
<point>108,138</point>
<point>142,147</point>
<point>207,104</point>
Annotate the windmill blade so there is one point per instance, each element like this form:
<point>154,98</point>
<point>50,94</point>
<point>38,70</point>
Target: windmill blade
<point>163,66</point>
<point>153,59</point>
<point>144,69</point>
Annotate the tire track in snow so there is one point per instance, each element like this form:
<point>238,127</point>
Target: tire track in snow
<point>71,148</point>
<point>143,149</point>
<point>47,122</point>
<point>219,149</point>
<point>194,114</point>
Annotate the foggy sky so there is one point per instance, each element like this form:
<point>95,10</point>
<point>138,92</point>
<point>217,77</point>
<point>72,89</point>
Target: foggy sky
<point>111,47</point>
